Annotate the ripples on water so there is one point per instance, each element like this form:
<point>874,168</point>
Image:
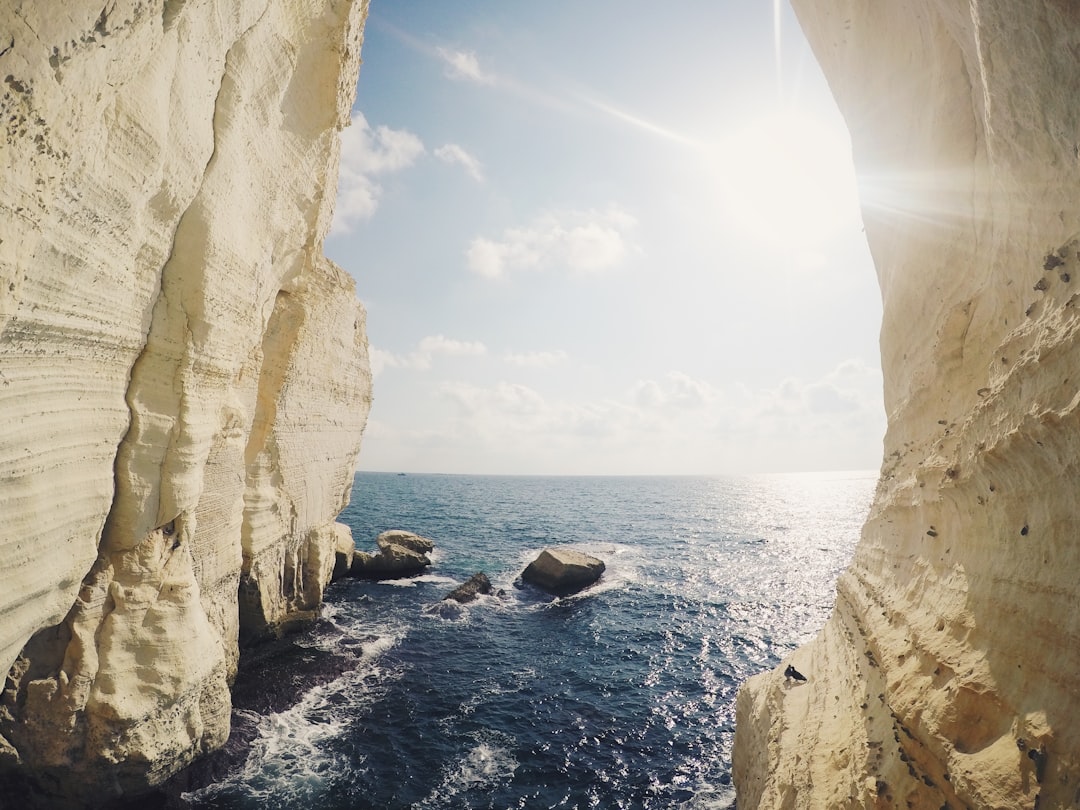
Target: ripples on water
<point>620,697</point>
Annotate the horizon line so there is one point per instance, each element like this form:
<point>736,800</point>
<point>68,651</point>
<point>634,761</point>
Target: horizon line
<point>866,471</point>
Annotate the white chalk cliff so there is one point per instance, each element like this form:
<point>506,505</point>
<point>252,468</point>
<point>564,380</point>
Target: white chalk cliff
<point>949,672</point>
<point>183,375</point>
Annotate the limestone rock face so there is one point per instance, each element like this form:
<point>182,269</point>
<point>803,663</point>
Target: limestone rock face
<point>183,375</point>
<point>949,671</point>
<point>343,553</point>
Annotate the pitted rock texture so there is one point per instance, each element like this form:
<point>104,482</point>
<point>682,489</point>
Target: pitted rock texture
<point>949,672</point>
<point>183,375</point>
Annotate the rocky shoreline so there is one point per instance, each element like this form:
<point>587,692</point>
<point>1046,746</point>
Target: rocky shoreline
<point>275,674</point>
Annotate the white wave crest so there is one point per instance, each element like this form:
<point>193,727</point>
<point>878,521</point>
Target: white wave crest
<point>487,764</point>
<point>291,762</point>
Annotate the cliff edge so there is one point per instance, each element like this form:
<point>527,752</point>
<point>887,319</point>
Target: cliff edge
<point>949,672</point>
<point>183,376</point>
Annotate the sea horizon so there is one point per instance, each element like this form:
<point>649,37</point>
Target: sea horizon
<point>860,472</point>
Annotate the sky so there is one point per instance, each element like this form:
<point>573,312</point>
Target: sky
<point>606,237</point>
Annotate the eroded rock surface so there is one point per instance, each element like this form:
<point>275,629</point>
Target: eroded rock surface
<point>392,562</point>
<point>410,540</point>
<point>949,672</point>
<point>183,375</point>
<point>401,554</point>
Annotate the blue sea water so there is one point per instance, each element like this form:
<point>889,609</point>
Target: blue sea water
<point>622,696</point>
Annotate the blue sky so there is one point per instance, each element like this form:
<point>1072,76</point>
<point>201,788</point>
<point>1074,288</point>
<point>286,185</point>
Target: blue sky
<point>606,238</point>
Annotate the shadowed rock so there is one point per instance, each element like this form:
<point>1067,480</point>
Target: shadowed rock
<point>392,562</point>
<point>401,554</point>
<point>471,588</point>
<point>562,571</point>
<point>344,549</point>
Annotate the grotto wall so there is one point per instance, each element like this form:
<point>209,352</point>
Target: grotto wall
<point>949,671</point>
<point>183,375</point>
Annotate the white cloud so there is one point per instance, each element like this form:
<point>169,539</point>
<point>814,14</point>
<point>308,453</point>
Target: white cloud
<point>453,154</point>
<point>674,423</point>
<point>464,66</point>
<point>426,350</point>
<point>507,410</point>
<point>677,392</point>
<point>379,360</point>
<point>508,413</point>
<point>367,153</point>
<point>437,344</point>
<point>851,388</point>
<point>582,241</point>
<point>508,401</point>
<point>535,359</point>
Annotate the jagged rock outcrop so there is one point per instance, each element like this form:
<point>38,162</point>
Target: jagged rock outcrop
<point>401,554</point>
<point>183,375</point>
<point>949,672</point>
<point>471,589</point>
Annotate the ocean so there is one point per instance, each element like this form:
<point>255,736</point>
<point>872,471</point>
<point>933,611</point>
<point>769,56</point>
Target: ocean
<point>622,696</point>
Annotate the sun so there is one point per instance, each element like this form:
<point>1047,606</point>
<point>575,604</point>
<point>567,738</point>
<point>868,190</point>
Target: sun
<point>787,176</point>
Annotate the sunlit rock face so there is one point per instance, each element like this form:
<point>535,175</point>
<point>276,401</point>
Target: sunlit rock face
<point>183,375</point>
<point>949,672</point>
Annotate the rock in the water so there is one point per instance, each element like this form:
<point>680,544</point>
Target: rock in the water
<point>471,588</point>
<point>400,537</point>
<point>392,562</point>
<point>562,571</point>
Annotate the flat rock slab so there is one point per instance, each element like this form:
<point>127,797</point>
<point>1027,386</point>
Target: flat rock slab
<point>392,562</point>
<point>562,571</point>
<point>410,540</point>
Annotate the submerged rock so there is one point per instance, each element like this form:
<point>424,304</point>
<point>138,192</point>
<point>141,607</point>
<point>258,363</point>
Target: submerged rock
<point>446,609</point>
<point>471,588</point>
<point>562,571</point>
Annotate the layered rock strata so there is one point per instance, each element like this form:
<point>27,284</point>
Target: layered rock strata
<point>949,672</point>
<point>183,375</point>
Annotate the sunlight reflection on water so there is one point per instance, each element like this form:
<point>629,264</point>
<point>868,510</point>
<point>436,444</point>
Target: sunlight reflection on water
<point>622,696</point>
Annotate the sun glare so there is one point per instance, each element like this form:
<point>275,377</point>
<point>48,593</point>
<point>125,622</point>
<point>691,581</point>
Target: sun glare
<point>787,176</point>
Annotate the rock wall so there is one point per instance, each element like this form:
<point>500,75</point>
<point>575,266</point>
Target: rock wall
<point>183,375</point>
<point>949,672</point>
